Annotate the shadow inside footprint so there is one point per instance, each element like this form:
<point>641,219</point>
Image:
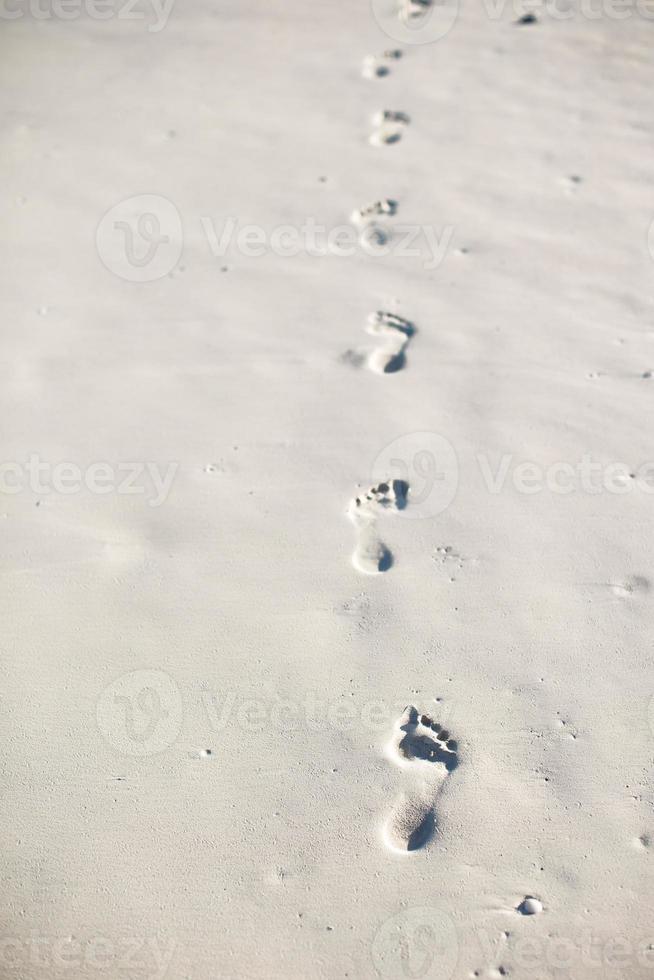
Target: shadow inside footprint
<point>423,832</point>
<point>396,363</point>
<point>401,491</point>
<point>436,747</point>
<point>385,561</point>
<point>419,747</point>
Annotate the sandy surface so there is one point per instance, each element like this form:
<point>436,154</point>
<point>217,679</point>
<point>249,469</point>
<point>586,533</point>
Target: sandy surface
<point>205,770</point>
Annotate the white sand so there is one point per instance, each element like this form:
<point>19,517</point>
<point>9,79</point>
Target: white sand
<point>129,851</point>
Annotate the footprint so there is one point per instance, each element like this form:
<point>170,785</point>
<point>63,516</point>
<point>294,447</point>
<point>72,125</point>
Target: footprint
<point>572,183</point>
<point>371,556</point>
<point>413,9</point>
<point>379,67</point>
<point>374,68</point>
<point>396,333</point>
<point>633,585</point>
<point>389,127</point>
<point>529,906</point>
<point>426,748</point>
<point>385,208</point>
<point>366,219</point>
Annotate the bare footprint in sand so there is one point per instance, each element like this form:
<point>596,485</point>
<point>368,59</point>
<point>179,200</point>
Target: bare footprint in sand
<point>396,332</point>
<point>412,10</point>
<point>367,220</point>
<point>424,747</point>
<point>379,66</point>
<point>631,586</point>
<point>389,126</point>
<point>371,556</point>
<point>384,208</point>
